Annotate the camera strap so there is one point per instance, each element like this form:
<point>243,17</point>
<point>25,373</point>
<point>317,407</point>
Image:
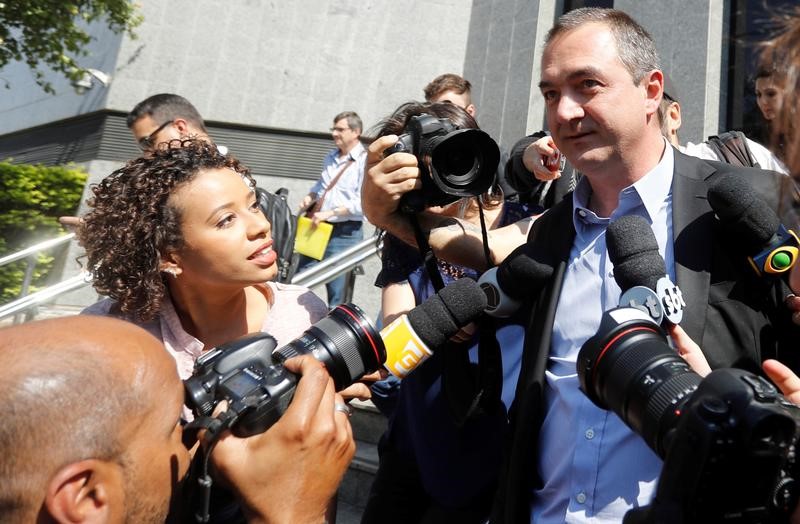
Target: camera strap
<point>214,427</point>
<point>428,258</point>
<point>485,235</point>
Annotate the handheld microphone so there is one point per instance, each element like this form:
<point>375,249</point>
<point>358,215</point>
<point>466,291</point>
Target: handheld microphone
<point>509,283</point>
<point>411,338</point>
<point>772,248</point>
<point>640,271</point>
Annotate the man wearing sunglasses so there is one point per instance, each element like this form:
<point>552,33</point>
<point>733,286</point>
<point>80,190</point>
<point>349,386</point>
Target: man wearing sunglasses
<point>165,117</point>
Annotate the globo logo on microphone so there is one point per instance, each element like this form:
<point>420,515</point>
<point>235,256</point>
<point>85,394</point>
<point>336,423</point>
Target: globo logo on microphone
<point>404,349</point>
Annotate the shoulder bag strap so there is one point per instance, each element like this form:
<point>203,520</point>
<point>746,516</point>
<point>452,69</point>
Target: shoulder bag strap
<point>318,205</point>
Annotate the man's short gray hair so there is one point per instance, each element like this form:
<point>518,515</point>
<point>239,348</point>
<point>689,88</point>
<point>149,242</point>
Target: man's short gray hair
<point>635,46</point>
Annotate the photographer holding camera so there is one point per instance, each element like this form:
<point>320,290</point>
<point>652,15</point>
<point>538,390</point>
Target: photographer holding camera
<point>91,433</point>
<point>602,86</point>
<point>434,465</point>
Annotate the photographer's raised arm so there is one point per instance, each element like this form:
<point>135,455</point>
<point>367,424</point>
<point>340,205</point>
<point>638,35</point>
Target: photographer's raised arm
<point>388,179</point>
<point>290,472</point>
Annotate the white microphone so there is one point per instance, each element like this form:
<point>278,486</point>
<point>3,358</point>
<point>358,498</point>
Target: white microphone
<point>507,285</point>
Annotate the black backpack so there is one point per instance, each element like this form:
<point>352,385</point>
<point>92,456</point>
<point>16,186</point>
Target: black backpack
<point>731,148</point>
<point>284,226</point>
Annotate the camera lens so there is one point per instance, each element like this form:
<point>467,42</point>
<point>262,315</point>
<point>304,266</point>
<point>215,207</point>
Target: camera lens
<point>629,368</point>
<point>463,161</point>
<point>345,341</point>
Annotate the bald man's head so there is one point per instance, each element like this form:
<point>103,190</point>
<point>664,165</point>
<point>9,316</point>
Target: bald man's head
<point>81,390</point>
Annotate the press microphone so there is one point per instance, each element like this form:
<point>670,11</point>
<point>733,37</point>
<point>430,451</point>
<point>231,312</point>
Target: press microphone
<point>411,338</point>
<point>640,271</point>
<point>508,284</point>
<point>772,249</point>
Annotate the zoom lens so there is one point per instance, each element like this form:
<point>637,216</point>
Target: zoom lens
<point>463,162</point>
<point>345,341</point>
<point>629,368</point>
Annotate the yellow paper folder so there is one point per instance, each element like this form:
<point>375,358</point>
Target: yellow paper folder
<point>309,241</point>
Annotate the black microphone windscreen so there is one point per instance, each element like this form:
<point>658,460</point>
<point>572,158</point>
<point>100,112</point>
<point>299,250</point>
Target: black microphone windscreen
<point>464,299</point>
<point>432,322</point>
<point>746,216</point>
<point>633,249</point>
<point>519,275</point>
<point>441,316</point>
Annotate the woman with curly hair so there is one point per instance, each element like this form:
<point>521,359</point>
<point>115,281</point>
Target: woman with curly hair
<point>178,243</point>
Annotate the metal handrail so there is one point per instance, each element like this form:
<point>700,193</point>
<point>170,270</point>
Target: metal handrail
<point>362,251</point>
<point>309,278</point>
<point>34,249</point>
<point>44,295</point>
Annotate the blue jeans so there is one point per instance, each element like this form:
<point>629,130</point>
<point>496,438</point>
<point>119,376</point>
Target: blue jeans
<point>345,235</point>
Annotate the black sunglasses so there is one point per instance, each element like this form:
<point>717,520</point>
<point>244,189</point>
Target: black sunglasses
<point>146,143</point>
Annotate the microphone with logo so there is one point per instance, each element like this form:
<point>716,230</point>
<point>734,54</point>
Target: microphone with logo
<point>640,271</point>
<point>771,249</point>
<point>411,338</point>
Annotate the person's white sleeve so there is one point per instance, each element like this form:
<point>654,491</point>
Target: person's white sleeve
<point>765,158</point>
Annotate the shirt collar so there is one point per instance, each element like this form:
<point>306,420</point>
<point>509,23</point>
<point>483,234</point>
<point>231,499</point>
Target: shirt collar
<point>357,151</point>
<point>650,191</point>
<point>175,338</point>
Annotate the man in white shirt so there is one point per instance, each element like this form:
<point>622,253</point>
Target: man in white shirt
<point>336,196</point>
<point>670,110</point>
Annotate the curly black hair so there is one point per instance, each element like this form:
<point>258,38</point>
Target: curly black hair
<point>131,223</point>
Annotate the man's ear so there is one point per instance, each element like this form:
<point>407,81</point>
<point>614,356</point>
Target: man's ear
<point>183,127</point>
<point>654,90</point>
<point>674,115</point>
<point>472,110</point>
<point>89,491</point>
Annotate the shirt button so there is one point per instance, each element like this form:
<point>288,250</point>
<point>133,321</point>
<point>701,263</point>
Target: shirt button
<point>589,434</point>
<point>582,213</point>
<point>581,497</point>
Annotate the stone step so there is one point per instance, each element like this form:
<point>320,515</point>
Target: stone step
<point>368,425</point>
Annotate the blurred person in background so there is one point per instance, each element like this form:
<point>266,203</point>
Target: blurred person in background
<point>336,198</point>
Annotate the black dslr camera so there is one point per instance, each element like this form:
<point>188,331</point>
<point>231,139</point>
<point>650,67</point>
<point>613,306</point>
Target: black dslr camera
<point>728,440</point>
<point>453,163</point>
<point>248,372</point>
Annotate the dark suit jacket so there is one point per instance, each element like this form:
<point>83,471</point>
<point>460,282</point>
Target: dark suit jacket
<point>736,318</point>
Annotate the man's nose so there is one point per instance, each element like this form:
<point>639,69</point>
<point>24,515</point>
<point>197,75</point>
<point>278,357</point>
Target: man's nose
<point>568,108</point>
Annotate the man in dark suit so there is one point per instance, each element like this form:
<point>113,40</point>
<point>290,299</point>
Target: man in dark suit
<point>567,459</point>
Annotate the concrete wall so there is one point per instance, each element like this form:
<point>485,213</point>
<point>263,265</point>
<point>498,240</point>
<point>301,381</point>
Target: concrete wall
<point>294,65</point>
<point>690,42</point>
<point>502,64</point>
<point>287,65</point>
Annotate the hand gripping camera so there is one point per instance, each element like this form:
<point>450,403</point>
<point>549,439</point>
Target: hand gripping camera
<point>453,163</point>
<point>248,372</point>
<point>728,440</point>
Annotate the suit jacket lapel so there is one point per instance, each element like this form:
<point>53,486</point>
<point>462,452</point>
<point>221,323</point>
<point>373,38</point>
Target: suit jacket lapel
<point>692,228</point>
